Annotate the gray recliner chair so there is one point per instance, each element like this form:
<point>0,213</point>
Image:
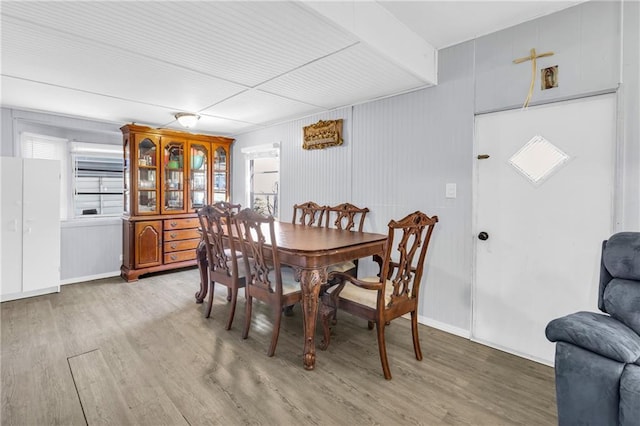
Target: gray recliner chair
<point>597,363</point>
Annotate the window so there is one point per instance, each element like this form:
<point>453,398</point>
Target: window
<point>98,180</point>
<point>264,185</point>
<point>92,181</point>
<point>263,168</point>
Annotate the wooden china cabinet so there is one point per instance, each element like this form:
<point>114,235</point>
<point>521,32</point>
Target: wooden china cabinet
<point>168,176</point>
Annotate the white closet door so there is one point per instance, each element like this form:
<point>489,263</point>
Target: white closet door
<point>11,229</point>
<point>41,225</point>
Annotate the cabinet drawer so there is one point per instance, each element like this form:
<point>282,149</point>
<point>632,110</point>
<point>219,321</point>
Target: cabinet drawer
<point>180,245</point>
<point>181,234</point>
<point>181,223</point>
<point>179,256</point>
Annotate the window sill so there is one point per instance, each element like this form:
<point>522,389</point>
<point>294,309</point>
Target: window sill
<point>91,221</point>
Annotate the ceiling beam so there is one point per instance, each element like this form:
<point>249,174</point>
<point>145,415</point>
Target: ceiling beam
<point>378,28</point>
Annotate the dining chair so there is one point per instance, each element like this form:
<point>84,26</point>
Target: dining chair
<point>227,207</point>
<point>232,209</point>
<point>346,216</point>
<point>394,293</point>
<point>266,280</point>
<point>309,214</point>
<point>201,251</point>
<point>222,256</point>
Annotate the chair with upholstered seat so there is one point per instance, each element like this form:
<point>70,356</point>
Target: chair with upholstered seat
<point>394,293</point>
<point>266,280</point>
<point>231,209</point>
<point>350,218</point>
<point>222,256</point>
<point>346,216</point>
<point>308,214</point>
<point>201,251</point>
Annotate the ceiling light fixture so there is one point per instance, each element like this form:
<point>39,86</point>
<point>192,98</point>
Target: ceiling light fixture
<point>187,119</point>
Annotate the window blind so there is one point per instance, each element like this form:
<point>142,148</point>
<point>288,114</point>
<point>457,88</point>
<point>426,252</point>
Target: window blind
<point>98,179</point>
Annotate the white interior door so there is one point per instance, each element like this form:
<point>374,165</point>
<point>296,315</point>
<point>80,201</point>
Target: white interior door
<point>541,259</point>
<point>11,230</point>
<point>41,225</point>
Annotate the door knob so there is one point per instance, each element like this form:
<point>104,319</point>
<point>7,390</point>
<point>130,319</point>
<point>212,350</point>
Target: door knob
<point>483,236</point>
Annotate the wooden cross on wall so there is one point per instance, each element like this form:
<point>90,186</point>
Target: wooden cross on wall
<point>532,57</point>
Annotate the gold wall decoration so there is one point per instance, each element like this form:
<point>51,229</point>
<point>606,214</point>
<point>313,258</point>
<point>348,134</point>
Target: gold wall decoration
<point>322,134</point>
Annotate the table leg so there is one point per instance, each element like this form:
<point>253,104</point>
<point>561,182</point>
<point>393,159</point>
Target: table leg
<point>203,266</point>
<point>310,281</point>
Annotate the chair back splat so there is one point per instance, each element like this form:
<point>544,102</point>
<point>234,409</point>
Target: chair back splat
<point>227,207</point>
<point>415,233</point>
<point>345,216</point>
<point>309,214</point>
<point>394,292</point>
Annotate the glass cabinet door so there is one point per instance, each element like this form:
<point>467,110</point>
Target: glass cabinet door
<point>173,176</point>
<point>127,176</point>
<point>147,166</point>
<point>220,174</point>
<point>198,175</point>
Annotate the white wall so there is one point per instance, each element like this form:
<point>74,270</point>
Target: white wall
<point>317,174</point>
<point>585,40</point>
<point>91,249</point>
<point>628,203</point>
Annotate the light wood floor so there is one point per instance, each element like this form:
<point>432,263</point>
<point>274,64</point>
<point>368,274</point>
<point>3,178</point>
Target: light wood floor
<point>108,352</point>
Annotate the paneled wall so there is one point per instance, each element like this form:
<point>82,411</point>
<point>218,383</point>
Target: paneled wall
<point>397,157</point>
<point>400,152</point>
<point>586,43</point>
<point>405,150</point>
<point>90,249</point>
<point>321,175</point>
<point>628,205</point>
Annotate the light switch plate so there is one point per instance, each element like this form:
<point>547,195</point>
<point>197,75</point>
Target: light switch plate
<point>450,190</point>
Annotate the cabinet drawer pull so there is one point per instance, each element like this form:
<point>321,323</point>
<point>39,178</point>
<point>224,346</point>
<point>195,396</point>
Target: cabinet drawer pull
<point>173,257</point>
<point>174,223</point>
<point>173,235</point>
<point>173,245</point>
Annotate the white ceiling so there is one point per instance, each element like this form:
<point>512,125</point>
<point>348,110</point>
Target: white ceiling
<point>240,65</point>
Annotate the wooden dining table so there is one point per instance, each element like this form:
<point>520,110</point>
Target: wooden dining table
<point>311,250</point>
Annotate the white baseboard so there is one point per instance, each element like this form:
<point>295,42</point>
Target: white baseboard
<point>444,327</point>
<point>89,278</point>
<point>22,295</point>
<point>547,362</point>
<point>467,335</point>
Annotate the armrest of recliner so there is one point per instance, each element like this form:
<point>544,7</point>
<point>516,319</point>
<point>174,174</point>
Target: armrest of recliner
<point>597,333</point>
